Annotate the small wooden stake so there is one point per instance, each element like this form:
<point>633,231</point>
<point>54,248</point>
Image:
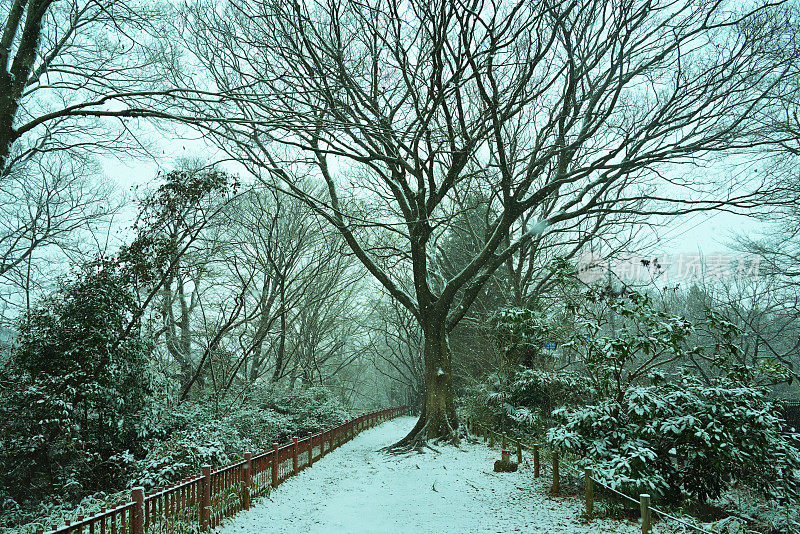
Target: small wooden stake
<point>205,498</point>
<point>644,505</point>
<point>556,486</point>
<point>589,483</point>
<point>274,465</point>
<point>247,467</point>
<point>505,441</point>
<point>310,449</point>
<point>137,496</point>
<point>295,463</point>
<point>519,452</point>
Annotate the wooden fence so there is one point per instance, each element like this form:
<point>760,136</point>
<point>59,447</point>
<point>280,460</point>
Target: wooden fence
<point>492,438</point>
<point>200,503</point>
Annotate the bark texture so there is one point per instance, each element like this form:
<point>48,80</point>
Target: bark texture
<point>438,421</point>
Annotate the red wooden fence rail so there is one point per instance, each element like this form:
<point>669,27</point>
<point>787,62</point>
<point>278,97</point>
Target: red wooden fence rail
<point>207,499</point>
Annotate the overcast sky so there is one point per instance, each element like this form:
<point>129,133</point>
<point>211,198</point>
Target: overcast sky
<point>705,233</point>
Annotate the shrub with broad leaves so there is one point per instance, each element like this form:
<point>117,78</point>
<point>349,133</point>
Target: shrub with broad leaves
<point>683,438</point>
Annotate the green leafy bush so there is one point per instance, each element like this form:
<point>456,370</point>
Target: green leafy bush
<point>522,404</point>
<point>204,435</point>
<point>521,333</point>
<point>684,438</point>
<point>74,389</point>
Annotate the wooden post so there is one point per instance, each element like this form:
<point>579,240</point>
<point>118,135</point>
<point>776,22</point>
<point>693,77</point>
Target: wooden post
<point>589,483</point>
<point>274,465</point>
<point>536,461</point>
<point>248,465</point>
<point>137,496</point>
<point>556,486</point>
<point>205,498</point>
<point>505,442</point>
<point>519,452</point>
<point>310,449</point>
<point>644,505</point>
<point>295,463</point>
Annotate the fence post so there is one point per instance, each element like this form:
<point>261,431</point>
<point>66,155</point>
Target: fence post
<point>556,487</point>
<point>205,498</point>
<point>536,460</point>
<point>248,469</point>
<point>274,465</point>
<point>310,449</point>
<point>137,495</point>
<point>644,505</point>
<point>295,463</point>
<point>589,483</point>
<point>519,452</point>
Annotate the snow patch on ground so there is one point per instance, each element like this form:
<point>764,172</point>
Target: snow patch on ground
<point>359,489</point>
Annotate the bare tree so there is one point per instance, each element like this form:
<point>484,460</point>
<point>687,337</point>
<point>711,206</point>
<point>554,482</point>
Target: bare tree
<point>566,108</point>
<point>299,291</point>
<point>46,217</point>
<point>64,64</point>
<point>70,71</point>
<point>398,347</point>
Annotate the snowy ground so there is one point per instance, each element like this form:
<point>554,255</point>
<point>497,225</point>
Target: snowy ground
<point>361,490</point>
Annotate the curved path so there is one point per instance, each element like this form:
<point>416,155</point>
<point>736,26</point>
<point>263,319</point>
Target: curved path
<point>358,489</point>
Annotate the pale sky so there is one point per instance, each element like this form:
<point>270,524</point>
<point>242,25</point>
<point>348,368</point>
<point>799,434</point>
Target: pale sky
<point>702,232</point>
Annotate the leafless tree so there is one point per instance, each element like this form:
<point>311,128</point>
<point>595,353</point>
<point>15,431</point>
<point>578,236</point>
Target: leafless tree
<point>566,109</point>
<point>297,289</point>
<point>70,71</point>
<point>398,347</point>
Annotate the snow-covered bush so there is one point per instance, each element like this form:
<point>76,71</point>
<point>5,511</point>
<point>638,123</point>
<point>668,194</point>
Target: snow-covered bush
<point>186,436</point>
<point>72,394</point>
<point>522,333</point>
<point>522,403</point>
<point>683,438</point>
<point>204,435</point>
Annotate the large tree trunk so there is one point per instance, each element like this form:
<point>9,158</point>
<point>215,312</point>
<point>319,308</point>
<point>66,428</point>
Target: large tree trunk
<point>438,421</point>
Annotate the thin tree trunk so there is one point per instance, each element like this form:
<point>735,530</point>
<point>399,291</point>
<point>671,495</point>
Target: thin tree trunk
<point>279,362</point>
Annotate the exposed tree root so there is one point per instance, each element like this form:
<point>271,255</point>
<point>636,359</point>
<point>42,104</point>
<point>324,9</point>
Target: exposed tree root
<point>419,439</point>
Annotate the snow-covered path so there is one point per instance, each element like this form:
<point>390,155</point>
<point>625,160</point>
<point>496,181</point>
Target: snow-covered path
<point>361,490</point>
